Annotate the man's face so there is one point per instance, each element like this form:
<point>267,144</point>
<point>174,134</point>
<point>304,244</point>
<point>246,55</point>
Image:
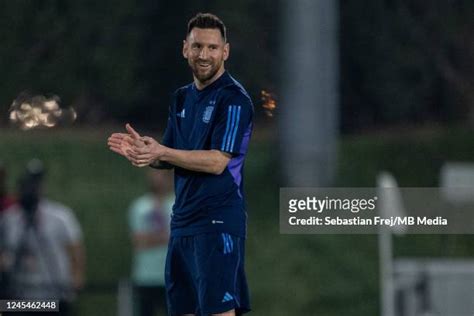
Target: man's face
<point>206,52</point>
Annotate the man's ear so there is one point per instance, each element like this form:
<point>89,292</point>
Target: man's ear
<point>226,51</point>
<point>185,49</point>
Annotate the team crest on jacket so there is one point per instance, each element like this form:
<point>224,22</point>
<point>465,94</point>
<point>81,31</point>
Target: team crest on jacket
<point>206,116</point>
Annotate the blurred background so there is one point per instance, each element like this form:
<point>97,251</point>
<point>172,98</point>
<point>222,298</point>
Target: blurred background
<point>359,87</point>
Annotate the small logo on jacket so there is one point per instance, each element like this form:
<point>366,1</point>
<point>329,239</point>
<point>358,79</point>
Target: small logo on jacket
<point>206,116</point>
<point>181,114</point>
<point>227,297</point>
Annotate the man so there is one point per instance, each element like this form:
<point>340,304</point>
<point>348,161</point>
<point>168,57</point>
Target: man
<point>206,140</point>
<point>5,202</point>
<point>149,217</point>
<point>43,256</point>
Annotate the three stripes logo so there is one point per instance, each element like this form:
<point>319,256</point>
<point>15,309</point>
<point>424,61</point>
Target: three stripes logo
<point>181,114</point>
<point>232,125</point>
<point>227,297</point>
<point>228,243</point>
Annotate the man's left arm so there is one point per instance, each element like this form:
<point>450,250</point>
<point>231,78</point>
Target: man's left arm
<point>230,137</point>
<point>208,161</point>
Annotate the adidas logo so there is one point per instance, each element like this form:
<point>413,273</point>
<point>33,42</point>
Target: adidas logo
<point>227,297</point>
<point>181,114</point>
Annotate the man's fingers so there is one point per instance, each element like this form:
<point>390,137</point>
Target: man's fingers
<point>145,159</point>
<point>117,143</point>
<point>117,139</point>
<point>114,142</point>
<point>132,132</point>
<point>131,146</point>
<point>117,150</point>
<point>142,157</point>
<point>130,155</point>
<point>132,142</point>
<point>141,150</point>
<point>142,164</point>
<point>129,141</point>
<point>117,136</point>
<point>148,140</point>
<point>139,164</point>
<point>134,155</point>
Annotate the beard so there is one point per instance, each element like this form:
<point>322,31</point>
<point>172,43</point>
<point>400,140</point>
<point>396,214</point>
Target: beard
<point>204,74</point>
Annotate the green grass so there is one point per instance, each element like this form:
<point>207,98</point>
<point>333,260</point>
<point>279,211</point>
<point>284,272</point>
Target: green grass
<point>288,274</point>
<point>97,304</point>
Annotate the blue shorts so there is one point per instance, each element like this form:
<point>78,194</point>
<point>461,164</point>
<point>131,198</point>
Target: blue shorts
<point>205,275</point>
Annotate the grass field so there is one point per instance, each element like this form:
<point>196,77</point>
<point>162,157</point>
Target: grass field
<point>288,274</point>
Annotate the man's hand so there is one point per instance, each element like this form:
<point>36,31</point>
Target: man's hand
<point>120,143</point>
<point>123,143</point>
<point>142,156</point>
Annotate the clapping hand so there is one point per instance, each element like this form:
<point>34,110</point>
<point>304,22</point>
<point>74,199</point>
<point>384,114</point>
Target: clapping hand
<point>141,151</point>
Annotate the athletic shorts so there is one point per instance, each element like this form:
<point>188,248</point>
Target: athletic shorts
<point>205,275</point>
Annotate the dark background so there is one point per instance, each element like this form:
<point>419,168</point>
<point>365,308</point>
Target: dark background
<point>402,63</point>
<point>406,105</point>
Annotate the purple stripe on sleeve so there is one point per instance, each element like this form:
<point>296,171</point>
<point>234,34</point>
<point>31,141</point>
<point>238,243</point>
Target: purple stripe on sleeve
<point>235,165</point>
<point>244,145</point>
<point>235,168</point>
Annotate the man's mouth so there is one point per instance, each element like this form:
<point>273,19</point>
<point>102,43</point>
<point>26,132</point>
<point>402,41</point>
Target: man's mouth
<point>204,65</point>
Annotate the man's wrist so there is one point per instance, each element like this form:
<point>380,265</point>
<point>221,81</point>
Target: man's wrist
<point>164,155</point>
<point>161,162</point>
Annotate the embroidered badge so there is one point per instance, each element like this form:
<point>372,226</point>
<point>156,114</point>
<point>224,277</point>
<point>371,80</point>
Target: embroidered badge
<point>206,116</point>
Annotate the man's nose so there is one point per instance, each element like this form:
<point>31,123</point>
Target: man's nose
<point>204,53</point>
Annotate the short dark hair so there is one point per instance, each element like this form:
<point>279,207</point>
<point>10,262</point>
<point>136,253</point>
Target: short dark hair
<point>207,21</point>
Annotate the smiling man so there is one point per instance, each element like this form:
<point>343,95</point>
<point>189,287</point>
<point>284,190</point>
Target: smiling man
<point>206,140</point>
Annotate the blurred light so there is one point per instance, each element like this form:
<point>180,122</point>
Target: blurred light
<point>268,102</point>
<point>28,112</point>
<point>51,105</point>
<point>13,117</point>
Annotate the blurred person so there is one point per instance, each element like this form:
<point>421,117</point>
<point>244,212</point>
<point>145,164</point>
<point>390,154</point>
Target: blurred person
<point>205,141</point>
<point>149,218</point>
<point>5,202</point>
<point>5,199</point>
<point>43,256</point>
